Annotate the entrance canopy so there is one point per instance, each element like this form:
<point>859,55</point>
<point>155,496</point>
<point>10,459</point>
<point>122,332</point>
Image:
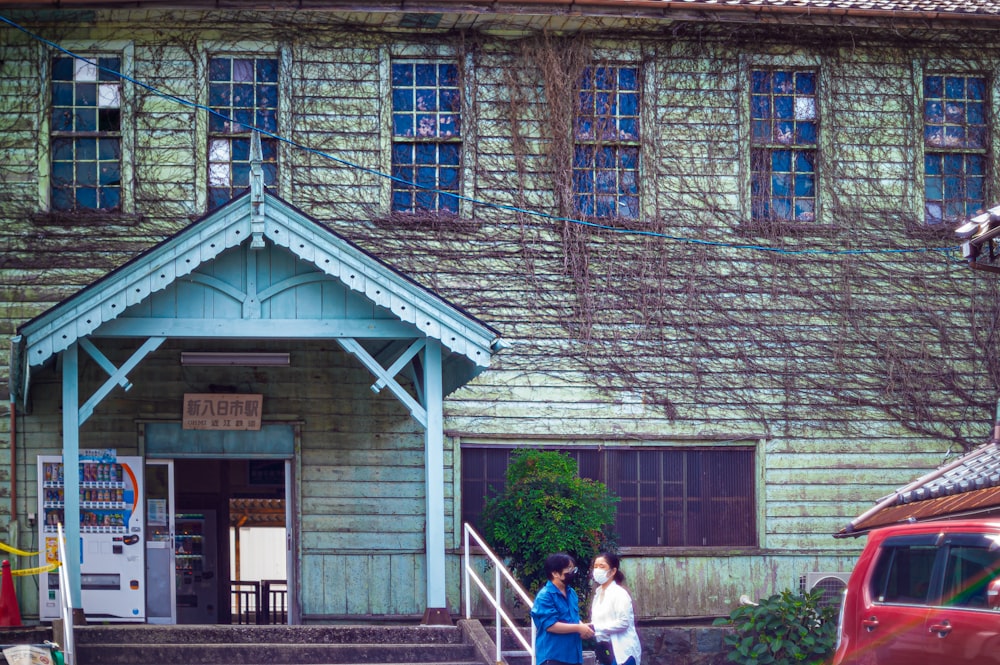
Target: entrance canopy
<point>259,269</point>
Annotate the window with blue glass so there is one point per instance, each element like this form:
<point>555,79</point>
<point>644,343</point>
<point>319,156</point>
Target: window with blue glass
<point>955,146</point>
<point>243,95</point>
<point>606,148</point>
<point>784,128</point>
<point>86,140</point>
<point>426,136</point>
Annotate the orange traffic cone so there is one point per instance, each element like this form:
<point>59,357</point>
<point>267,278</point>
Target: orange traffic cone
<point>10,615</point>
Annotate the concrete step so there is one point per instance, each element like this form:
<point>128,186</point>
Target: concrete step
<point>236,634</point>
<point>516,657</point>
<point>125,644</point>
<point>274,653</point>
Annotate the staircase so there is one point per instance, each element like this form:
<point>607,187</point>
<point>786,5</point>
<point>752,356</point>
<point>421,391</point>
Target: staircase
<point>464,644</point>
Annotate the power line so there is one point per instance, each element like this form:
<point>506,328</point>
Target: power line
<point>478,202</point>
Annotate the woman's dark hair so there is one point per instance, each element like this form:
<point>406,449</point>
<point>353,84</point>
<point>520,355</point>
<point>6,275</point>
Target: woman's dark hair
<point>613,562</point>
<point>556,563</point>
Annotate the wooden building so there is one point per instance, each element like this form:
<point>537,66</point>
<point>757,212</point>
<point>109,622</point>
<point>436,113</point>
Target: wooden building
<point>706,247</point>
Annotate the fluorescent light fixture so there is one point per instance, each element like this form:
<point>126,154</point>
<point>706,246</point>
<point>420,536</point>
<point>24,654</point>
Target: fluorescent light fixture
<point>246,358</point>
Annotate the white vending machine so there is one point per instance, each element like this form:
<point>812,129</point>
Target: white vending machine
<point>112,546</point>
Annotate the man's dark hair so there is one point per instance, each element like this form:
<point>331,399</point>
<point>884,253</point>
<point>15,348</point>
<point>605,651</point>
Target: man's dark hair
<point>555,563</point>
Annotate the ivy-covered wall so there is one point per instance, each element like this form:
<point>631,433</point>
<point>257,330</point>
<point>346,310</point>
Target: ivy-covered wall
<point>851,352</point>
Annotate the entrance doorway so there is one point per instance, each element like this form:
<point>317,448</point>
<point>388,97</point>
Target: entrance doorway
<point>228,541</point>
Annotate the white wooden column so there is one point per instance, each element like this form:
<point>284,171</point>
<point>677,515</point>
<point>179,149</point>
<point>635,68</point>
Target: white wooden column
<point>437,602</point>
<point>71,473</point>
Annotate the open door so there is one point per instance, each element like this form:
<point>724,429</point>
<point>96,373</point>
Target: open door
<point>161,590</point>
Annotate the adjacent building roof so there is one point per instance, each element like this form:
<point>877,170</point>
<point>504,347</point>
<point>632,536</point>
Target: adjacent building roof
<point>925,9</point>
<point>962,487</point>
<point>902,6</point>
<point>980,234</point>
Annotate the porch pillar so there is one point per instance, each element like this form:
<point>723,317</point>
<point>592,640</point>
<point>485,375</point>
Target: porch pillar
<point>437,603</point>
<point>71,474</point>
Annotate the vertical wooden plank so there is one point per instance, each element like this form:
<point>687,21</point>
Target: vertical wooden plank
<point>333,302</point>
<point>434,475</point>
<point>354,577</point>
<point>71,461</point>
<point>379,591</point>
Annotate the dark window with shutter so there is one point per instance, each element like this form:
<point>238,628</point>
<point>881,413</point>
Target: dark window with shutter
<point>668,497</point>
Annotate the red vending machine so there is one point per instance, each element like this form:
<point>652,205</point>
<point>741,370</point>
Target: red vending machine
<point>112,547</point>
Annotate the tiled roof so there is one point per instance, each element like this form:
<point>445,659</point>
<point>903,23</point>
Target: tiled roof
<point>978,470</point>
<point>924,9</point>
<point>991,7</point>
<point>968,484</point>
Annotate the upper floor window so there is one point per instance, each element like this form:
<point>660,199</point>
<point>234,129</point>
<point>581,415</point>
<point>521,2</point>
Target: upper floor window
<point>668,497</point>
<point>784,122</point>
<point>426,136</point>
<point>243,93</point>
<point>86,135</point>
<point>606,143</point>
<point>955,145</point>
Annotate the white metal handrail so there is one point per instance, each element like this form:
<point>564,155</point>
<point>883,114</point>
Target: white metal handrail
<point>65,602</point>
<point>500,572</point>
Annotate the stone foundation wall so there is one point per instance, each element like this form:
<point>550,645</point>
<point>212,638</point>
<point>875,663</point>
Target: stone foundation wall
<point>683,645</point>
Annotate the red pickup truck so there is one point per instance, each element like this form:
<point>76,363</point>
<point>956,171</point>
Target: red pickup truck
<point>924,594</point>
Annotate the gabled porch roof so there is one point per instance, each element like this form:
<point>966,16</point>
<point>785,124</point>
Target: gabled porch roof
<point>403,309</point>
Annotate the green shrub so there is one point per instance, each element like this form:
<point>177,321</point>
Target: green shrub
<point>783,629</point>
<point>546,508</point>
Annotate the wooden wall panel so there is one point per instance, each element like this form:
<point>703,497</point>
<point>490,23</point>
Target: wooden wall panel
<point>361,492</point>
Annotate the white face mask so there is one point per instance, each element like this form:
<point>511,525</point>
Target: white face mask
<point>601,575</point>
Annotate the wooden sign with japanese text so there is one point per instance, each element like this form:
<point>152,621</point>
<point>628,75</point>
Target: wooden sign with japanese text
<point>217,411</point>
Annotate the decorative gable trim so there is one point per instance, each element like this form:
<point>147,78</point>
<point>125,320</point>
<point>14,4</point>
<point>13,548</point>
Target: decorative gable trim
<point>235,223</point>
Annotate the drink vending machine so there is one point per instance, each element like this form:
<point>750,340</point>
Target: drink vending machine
<point>112,546</point>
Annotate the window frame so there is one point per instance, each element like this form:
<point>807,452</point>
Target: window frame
<point>601,447</point>
<point>800,151</point>
<point>124,50</point>
<point>462,139</point>
<point>618,144</point>
<point>991,97</point>
<point>235,135</point>
<point>208,49</point>
<point>798,62</point>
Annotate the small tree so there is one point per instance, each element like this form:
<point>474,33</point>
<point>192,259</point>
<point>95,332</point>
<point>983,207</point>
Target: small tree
<point>546,508</point>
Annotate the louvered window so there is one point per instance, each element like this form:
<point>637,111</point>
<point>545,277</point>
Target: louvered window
<point>668,497</point>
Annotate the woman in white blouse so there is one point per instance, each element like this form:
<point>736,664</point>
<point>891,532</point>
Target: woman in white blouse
<point>611,612</point>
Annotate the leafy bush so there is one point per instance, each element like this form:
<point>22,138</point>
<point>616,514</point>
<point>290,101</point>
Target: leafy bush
<point>783,629</point>
<point>546,508</point>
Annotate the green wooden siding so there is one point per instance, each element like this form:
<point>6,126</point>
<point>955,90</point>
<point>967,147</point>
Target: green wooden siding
<point>360,469</point>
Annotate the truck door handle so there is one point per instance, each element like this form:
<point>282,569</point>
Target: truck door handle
<point>870,624</point>
<point>942,629</point>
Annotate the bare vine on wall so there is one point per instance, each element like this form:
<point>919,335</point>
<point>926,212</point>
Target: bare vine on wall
<point>776,337</point>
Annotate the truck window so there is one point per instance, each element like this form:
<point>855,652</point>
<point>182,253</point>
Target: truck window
<point>903,574</point>
<point>968,571</point>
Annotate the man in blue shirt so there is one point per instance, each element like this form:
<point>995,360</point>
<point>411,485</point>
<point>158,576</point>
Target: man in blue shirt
<point>556,613</point>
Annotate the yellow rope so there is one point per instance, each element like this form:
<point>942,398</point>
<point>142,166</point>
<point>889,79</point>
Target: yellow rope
<point>34,571</point>
<point>13,550</point>
<point>22,572</point>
